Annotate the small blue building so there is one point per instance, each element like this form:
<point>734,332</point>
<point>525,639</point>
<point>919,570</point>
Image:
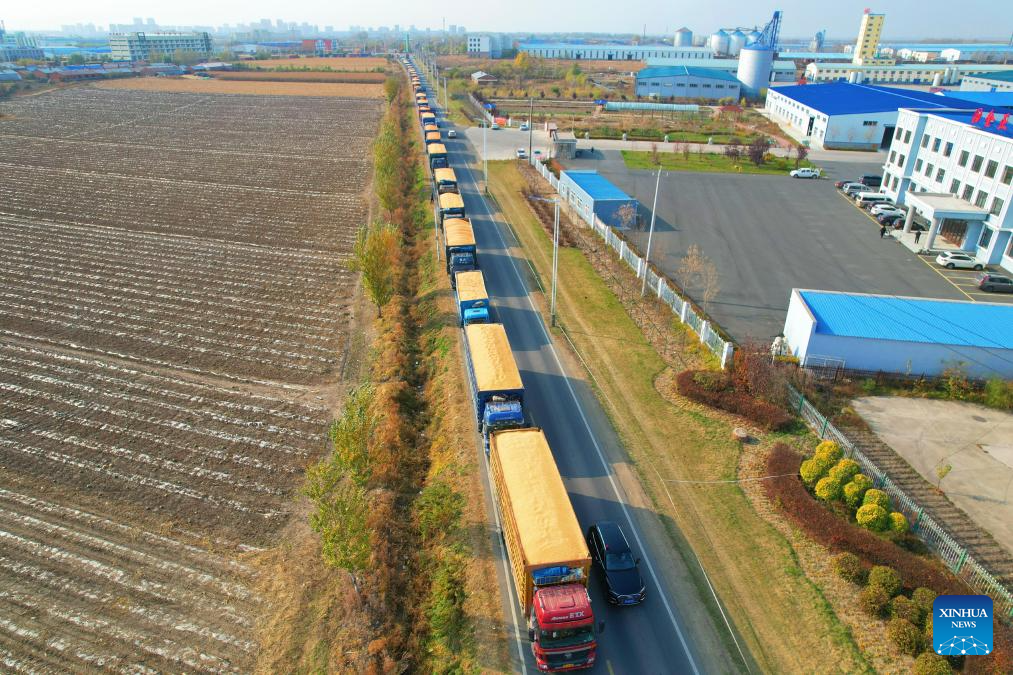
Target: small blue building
<point>694,82</point>
<point>895,334</point>
<point>591,194</point>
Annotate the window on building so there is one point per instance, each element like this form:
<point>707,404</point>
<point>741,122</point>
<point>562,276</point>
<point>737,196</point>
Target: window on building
<point>980,199</point>
<point>963,158</point>
<point>1007,175</point>
<point>947,149</point>
<point>986,237</point>
<point>991,168</point>
<point>976,163</point>
<point>900,160</point>
<point>918,165</point>
<point>940,175</point>
<point>893,156</point>
<point>955,187</point>
<point>907,136</point>
<point>869,123</point>
<point>968,193</point>
<point>935,144</point>
<point>925,141</point>
<point>997,205</point>
<point>928,170</point>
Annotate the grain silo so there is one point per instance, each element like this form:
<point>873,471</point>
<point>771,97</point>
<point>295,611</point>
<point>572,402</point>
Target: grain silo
<point>683,38</point>
<point>719,43</point>
<point>736,41</point>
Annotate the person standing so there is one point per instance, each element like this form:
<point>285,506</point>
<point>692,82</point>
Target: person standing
<point>918,235</point>
<point>882,230</point>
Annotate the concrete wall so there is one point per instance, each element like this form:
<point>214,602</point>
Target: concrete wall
<point>799,325</point>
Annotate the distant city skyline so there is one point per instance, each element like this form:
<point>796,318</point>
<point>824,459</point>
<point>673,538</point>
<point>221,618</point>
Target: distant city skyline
<point>906,19</point>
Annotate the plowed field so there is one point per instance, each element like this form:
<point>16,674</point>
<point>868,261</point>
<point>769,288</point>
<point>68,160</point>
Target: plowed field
<point>215,86</point>
<point>359,63</point>
<point>174,310</point>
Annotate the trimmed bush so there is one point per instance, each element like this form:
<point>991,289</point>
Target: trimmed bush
<point>903,607</point>
<point>877,497</point>
<point>766,415</point>
<point>886,578</point>
<point>897,523</point>
<point>924,597</point>
<point>828,489</point>
<point>812,470</point>
<point>844,470</point>
<point>830,451</point>
<point>839,535</point>
<point>874,601</point>
<point>853,494</point>
<point>872,517</point>
<point>849,567</point>
<point>928,663</point>
<point>904,636</point>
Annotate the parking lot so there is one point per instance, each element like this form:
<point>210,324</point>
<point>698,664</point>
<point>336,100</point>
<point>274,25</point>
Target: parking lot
<point>769,234</point>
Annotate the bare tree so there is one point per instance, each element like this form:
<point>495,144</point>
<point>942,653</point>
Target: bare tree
<point>801,152</point>
<point>757,150</point>
<point>655,159</point>
<point>375,255</point>
<point>698,276</point>
<point>685,151</point>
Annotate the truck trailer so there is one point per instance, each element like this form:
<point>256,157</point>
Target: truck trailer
<point>460,247</point>
<point>433,137</point>
<point>549,559</point>
<point>437,156</point>
<point>428,118</point>
<point>451,206</point>
<point>496,387</point>
<point>472,298</point>
<point>445,180</point>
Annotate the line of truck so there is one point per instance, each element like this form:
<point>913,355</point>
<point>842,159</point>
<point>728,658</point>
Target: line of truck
<point>549,558</point>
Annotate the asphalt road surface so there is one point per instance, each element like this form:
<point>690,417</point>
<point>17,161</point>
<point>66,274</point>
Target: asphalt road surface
<point>651,638</point>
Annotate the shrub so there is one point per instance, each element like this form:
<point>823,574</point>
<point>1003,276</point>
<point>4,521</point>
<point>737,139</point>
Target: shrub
<point>877,497</point>
<point>872,517</point>
<point>828,489</point>
<point>874,601</point>
<point>897,523</point>
<point>849,567</point>
<point>839,535</point>
<point>903,607</point>
<point>886,578</point>
<point>999,394</point>
<point>904,636</point>
<point>923,598</point>
<point>830,450</point>
<point>854,491</point>
<point>844,470</point>
<point>766,415</point>
<point>928,663</point>
<point>812,470</point>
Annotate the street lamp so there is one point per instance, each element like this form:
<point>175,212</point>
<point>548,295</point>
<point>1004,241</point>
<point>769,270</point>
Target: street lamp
<point>555,256</point>
<point>485,153</point>
<point>650,235</point>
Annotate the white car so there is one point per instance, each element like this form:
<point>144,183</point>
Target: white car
<point>886,208</point>
<point>958,260</point>
<point>804,173</point>
<point>522,153</point>
<point>452,133</point>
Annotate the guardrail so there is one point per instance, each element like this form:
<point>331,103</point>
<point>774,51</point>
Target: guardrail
<point>953,555</point>
<point>664,288</point>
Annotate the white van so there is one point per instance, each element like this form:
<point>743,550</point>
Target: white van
<point>867,199</point>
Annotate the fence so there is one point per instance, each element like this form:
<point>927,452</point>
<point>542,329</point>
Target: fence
<point>481,108</point>
<point>657,284</point>
<point>955,556</point>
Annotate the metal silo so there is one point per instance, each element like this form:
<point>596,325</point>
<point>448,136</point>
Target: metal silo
<point>736,41</point>
<point>683,38</point>
<point>755,65</point>
<point>752,36</point>
<point>719,42</point>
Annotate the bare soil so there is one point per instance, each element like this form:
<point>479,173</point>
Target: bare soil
<point>176,325</point>
<point>364,63</point>
<point>217,86</point>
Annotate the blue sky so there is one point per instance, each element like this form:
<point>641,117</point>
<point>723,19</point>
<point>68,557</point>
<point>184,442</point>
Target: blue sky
<point>905,18</point>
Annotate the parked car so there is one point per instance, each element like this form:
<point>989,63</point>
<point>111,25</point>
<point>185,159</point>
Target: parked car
<point>852,189</point>
<point>893,219</point>
<point>871,179</point>
<point>804,173</point>
<point>522,153</point>
<point>867,199</point>
<point>537,153</point>
<point>495,126</point>
<point>958,260</point>
<point>611,553</point>
<point>994,283</point>
<point>886,208</point>
<point>525,126</point>
<point>451,133</point>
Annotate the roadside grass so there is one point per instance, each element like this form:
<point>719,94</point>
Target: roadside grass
<point>776,610</point>
<point>457,105</point>
<point>710,162</point>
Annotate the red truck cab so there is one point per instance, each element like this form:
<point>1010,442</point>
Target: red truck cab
<point>562,628</point>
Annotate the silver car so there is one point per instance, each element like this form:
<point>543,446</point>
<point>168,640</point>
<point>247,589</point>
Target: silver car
<point>958,260</point>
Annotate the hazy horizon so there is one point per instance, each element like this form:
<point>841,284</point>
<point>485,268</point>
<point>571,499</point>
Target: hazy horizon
<point>904,20</point>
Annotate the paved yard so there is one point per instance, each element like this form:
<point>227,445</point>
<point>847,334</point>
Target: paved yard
<point>976,441</point>
<point>769,234</point>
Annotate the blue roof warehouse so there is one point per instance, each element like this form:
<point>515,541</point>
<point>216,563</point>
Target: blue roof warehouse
<point>665,82</point>
<point>591,194</point>
<point>893,334</point>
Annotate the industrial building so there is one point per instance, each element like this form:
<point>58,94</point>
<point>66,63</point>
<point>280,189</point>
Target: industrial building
<point>845,116</point>
<point>893,334</point>
<point>934,74</point>
<point>867,44</point>
<point>141,46</point>
<point>1001,81</point>
<point>686,82</point>
<point>954,168</point>
<point>611,52</point>
<point>591,194</point>
<point>977,52</point>
<point>781,71</point>
<point>15,46</point>
<point>488,45</point>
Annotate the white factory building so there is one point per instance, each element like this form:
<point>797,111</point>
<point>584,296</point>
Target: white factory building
<point>664,82</point>
<point>141,46</point>
<point>954,167</point>
<point>612,52</point>
<point>935,74</point>
<point>844,116</point>
<point>488,45</point>
<point>990,82</point>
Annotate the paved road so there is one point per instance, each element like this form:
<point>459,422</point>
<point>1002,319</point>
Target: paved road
<point>654,637</point>
<point>767,235</point>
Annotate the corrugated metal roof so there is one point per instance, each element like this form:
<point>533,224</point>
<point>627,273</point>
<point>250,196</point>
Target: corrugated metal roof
<point>964,117</point>
<point>596,186</point>
<point>845,98</point>
<point>889,317</point>
<point>1006,76</point>
<point>724,64</point>
<point>686,71</point>
<point>983,98</point>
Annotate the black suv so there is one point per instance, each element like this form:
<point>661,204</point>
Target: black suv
<point>871,179</point>
<point>611,552</point>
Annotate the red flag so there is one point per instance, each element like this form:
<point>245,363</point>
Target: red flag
<point>976,117</point>
<point>1002,123</point>
<point>990,118</point>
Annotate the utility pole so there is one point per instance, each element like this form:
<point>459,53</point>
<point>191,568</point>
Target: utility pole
<point>555,261</point>
<point>650,235</point>
<point>485,153</point>
<point>531,125</point>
